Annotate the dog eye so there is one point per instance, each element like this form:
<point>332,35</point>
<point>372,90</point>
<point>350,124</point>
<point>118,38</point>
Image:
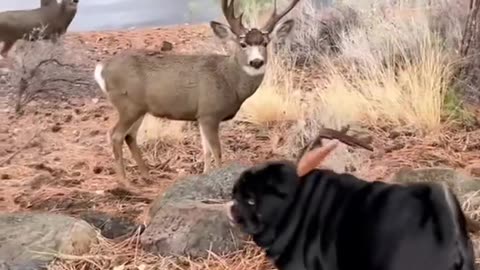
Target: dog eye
<point>251,202</point>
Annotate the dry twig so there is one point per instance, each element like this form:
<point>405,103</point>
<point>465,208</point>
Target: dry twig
<point>13,155</point>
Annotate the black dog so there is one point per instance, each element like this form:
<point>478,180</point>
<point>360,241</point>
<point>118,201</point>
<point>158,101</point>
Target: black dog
<point>311,219</point>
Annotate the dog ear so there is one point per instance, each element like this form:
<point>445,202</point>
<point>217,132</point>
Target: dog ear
<point>314,158</point>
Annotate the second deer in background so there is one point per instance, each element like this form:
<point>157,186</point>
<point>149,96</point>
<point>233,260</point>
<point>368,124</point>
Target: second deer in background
<point>207,88</point>
<point>54,18</point>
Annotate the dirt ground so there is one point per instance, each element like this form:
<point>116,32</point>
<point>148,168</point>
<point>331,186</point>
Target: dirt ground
<point>56,157</point>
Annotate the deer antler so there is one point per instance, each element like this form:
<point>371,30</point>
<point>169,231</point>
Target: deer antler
<point>235,22</point>
<point>274,18</point>
<point>341,135</point>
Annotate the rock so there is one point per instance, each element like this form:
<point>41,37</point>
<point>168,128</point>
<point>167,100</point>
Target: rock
<point>463,185</point>
<point>56,128</point>
<point>189,219</point>
<point>216,185</point>
<point>21,234</point>
<point>97,169</point>
<point>166,46</point>
<point>191,228</point>
<point>460,182</point>
<point>110,227</point>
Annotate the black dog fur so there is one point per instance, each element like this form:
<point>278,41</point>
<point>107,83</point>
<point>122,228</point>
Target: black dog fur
<point>331,221</point>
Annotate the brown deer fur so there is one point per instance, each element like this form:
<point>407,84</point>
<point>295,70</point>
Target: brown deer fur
<point>19,24</point>
<point>206,88</point>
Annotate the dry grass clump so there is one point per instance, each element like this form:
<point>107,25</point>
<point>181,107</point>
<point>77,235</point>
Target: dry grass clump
<point>153,128</point>
<point>357,63</point>
<point>401,80</point>
<point>128,255</point>
<point>393,67</point>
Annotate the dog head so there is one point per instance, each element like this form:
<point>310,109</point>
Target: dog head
<point>262,192</point>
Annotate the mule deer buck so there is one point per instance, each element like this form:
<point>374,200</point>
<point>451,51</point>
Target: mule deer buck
<point>54,18</point>
<point>207,88</point>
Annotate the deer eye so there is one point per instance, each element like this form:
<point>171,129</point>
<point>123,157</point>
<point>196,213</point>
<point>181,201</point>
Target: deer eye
<point>243,44</point>
<point>251,202</point>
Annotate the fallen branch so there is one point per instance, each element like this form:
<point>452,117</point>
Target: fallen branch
<point>25,146</point>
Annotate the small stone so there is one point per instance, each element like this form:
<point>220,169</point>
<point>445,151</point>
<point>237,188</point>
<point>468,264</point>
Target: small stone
<point>166,46</point>
<point>84,118</point>
<point>68,118</point>
<point>97,169</point>
<point>94,132</point>
<point>77,111</point>
<point>95,100</point>
<point>56,128</point>
<point>394,134</point>
<point>76,133</point>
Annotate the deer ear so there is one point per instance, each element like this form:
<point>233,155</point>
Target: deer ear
<point>221,30</point>
<point>282,30</point>
<point>314,158</point>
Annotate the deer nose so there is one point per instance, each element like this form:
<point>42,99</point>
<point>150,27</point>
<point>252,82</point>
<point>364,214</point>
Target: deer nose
<point>256,63</point>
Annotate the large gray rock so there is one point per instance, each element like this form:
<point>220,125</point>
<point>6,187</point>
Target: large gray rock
<point>190,220</point>
<point>191,228</point>
<point>461,183</point>
<point>216,185</point>
<point>24,235</point>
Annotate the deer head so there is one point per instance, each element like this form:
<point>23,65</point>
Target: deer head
<point>251,44</point>
<point>69,4</point>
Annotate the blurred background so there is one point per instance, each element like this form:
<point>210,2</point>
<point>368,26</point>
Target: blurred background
<point>123,14</point>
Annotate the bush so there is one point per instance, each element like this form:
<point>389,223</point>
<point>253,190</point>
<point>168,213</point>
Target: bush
<point>41,71</point>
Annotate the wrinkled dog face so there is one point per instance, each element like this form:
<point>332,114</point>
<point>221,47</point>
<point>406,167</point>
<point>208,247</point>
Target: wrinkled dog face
<point>260,193</point>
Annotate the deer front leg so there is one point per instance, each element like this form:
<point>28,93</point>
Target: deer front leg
<point>210,142</point>
<point>207,153</point>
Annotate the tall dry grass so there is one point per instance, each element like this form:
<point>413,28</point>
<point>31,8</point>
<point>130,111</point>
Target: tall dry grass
<point>394,68</point>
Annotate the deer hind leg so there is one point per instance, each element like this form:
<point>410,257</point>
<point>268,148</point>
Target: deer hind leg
<point>118,135</point>
<point>211,143</point>
<point>131,140</point>
<point>7,46</point>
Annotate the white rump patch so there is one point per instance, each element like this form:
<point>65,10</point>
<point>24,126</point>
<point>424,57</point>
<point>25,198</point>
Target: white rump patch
<point>99,78</point>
